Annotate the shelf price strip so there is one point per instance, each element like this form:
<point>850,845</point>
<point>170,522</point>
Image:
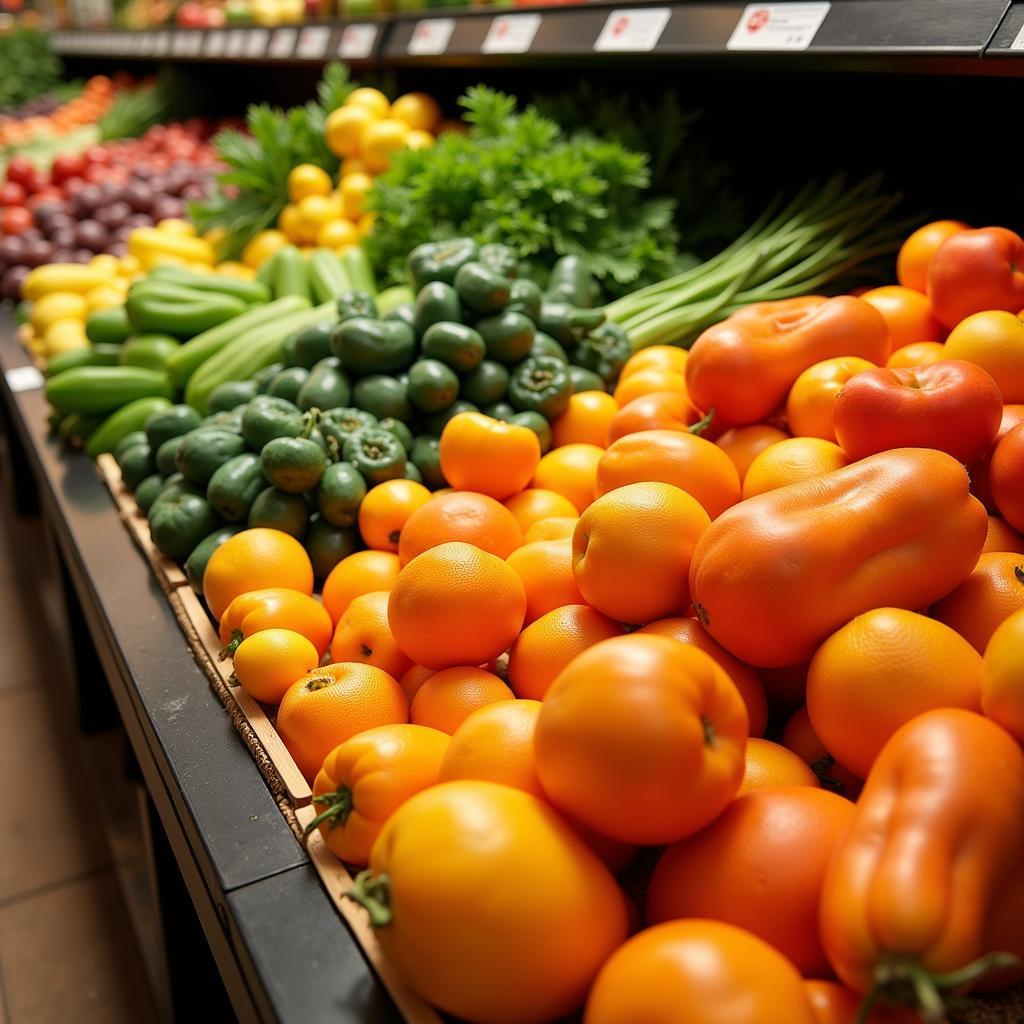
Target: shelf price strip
<point>511,33</point>
<point>312,44</point>
<point>357,42</point>
<point>778,26</point>
<point>431,37</point>
<point>635,30</point>
<point>282,44</point>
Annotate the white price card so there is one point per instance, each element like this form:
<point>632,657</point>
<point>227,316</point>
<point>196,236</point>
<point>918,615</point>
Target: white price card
<point>180,45</point>
<point>312,44</point>
<point>236,43</point>
<point>216,43</point>
<point>1018,42</point>
<point>282,44</point>
<point>511,33</point>
<point>357,42</point>
<point>193,43</point>
<point>256,43</point>
<point>23,378</point>
<point>430,37</point>
<point>635,30</point>
<point>778,26</point>
<point>163,43</point>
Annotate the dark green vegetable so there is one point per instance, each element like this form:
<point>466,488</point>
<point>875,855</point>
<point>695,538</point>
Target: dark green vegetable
<point>426,457</point>
<point>356,303</point>
<point>412,473</point>
<point>250,292</point>
<point>406,313</point>
<point>130,441</point>
<point>486,384</point>
<point>312,345</point>
<point>147,491</point>
<point>439,261</point>
<point>326,388</point>
<point>267,417</point>
<point>229,420</point>
<point>482,289</point>
<point>234,486</point>
<point>541,384</point>
<point>538,424</point>
<point>499,411</point>
<point>291,276</point>
<point>279,510</point>
<point>327,545</point>
<point>436,302</point>
<point>164,424</point>
<point>195,564</point>
<point>605,351</point>
<point>108,326</point>
<point>392,298</point>
<point>399,429</point>
<point>383,396</point>
<point>454,344</point>
<point>341,491</point>
<point>525,297</point>
<point>77,426</point>
<point>571,282</point>
<point>174,486</point>
<point>378,455</point>
<point>104,388</point>
<point>585,380</point>
<point>436,422</point>
<point>135,465</point>
<point>177,524</point>
<point>262,377</point>
<point>338,425</point>
<point>127,420</point>
<point>149,350</point>
<point>508,336</point>
<point>545,346</point>
<point>500,258</point>
<point>374,346</point>
<point>95,355</point>
<point>205,450</point>
<point>167,456</point>
<point>163,308</point>
<point>568,324</point>
<point>432,385</point>
<point>293,464</point>
<point>288,383</point>
<point>231,395</point>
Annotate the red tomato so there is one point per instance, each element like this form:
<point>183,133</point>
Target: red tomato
<point>36,181</point>
<point>14,220</point>
<point>97,155</point>
<point>977,270</point>
<point>952,405</point>
<point>50,194</point>
<point>67,165</point>
<point>19,170</point>
<point>97,173</point>
<point>12,194</point>
<point>74,184</point>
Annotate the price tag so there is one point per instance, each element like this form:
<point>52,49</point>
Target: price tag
<point>282,44</point>
<point>636,30</point>
<point>216,43</point>
<point>312,44</point>
<point>149,43</point>
<point>1018,42</point>
<point>357,42</point>
<point>256,44</point>
<point>430,37</point>
<point>193,43</point>
<point>777,26</point>
<point>180,45</point>
<point>23,378</point>
<point>236,43</point>
<point>163,43</point>
<point>511,33</point>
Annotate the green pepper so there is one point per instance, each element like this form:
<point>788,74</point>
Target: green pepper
<point>406,313</point>
<point>499,411</point>
<point>356,303</point>
<point>432,385</point>
<point>383,396</point>
<point>525,297</point>
<point>130,441</point>
<point>546,346</point>
<point>482,289</point>
<point>374,346</point>
<point>378,455</point>
<point>341,491</point>
<point>571,282</point>
<point>426,457</point>
<point>167,456</point>
<point>568,324</point>
<point>435,303</point>
<point>203,451</point>
<point>294,464</point>
<point>437,421</point>
<point>605,351</point>
<point>327,545</point>
<point>147,491</point>
<point>135,465</point>
<point>540,426</point>
<point>179,523</point>
<point>250,292</point>
<point>164,424</point>
<point>279,510</point>
<point>326,387</point>
<point>162,308</point>
<point>584,380</point>
<point>507,336</point>
<point>108,326</point>
<point>486,384</point>
<point>288,383</point>
<point>455,345</point>
<point>231,394</point>
<point>312,345</point>
<point>439,261</point>
<point>195,564</point>
<point>229,420</point>
<point>541,384</point>
<point>234,486</point>
<point>265,418</point>
<point>412,473</point>
<point>500,258</point>
<point>399,429</point>
<point>174,485</point>
<point>338,425</point>
<point>262,378</point>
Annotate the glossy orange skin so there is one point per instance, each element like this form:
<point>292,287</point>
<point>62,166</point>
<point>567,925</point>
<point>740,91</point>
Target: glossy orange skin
<point>1006,477</point>
<point>994,340</point>
<point>981,471</point>
<point>545,569</point>
<point>833,1004</point>
<point>775,575</point>
<point>1002,537</point>
<point>792,461</point>
<point>1002,680</point>
<point>663,410</point>
<point>447,698</point>
<point>482,454</point>
<point>648,382</point>
<point>271,660</point>
<point>952,405</point>
<point>986,599</point>
<point>800,737</point>
<point>586,421</point>
<point>812,398</point>
<point>277,608</point>
<point>744,444</point>
<point>465,516</point>
<point>918,353</point>
<point>744,367</point>
<point>769,765</point>
<point>534,504</point>
<point>363,635</point>
<point>902,881</point>
<point>661,357</point>
<point>907,313</point>
<point>917,252</point>
<point>692,971</point>
<point>759,865</point>
<point>386,509</point>
<point>642,739</point>
<point>551,528</point>
<point>360,573</point>
<point>977,270</point>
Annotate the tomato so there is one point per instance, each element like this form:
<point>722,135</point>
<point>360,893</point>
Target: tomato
<point>916,253</point>
<point>14,220</point>
<point>98,155</point>
<point>12,194</point>
<point>67,165</point>
<point>953,406</point>
<point>20,170</point>
<point>50,194</point>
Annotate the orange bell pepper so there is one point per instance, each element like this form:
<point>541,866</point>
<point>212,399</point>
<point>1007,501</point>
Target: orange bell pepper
<point>275,608</point>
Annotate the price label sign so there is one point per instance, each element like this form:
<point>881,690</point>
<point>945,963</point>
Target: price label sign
<point>282,44</point>
<point>216,44</point>
<point>431,37</point>
<point>1018,42</point>
<point>180,46</point>
<point>23,378</point>
<point>357,42</point>
<point>163,43</point>
<point>193,44</point>
<point>511,33</point>
<point>778,26</point>
<point>312,44</point>
<point>236,43</point>
<point>256,43</point>
<point>636,30</point>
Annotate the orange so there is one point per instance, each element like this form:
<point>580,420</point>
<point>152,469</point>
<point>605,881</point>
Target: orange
<point>656,357</point>
<point>1002,681</point>
<point>744,444</point>
<point>986,599</point>
<point>570,471</point>
<point>456,605</point>
<point>480,453</point>
<point>372,99</point>
<point>551,528</point>
<point>746,679</point>
<point>907,313</point>
<point>632,550</point>
<point>268,662</point>
<point>647,382</point>
<point>1002,537</point>
<point>770,764</point>
<point>995,341</point>
<point>790,461</point>
<point>880,670</point>
<point>363,635</point>
<point>332,704</point>
<point>418,110</point>
<point>920,353</point>
<point>344,129</point>
<point>547,645</point>
<point>812,399</point>
<point>663,410</point>
<point>253,560</point>
<point>915,255</point>
<point>275,607</point>
<point>685,460</point>
<point>800,737</point>
<point>450,696</point>
<point>379,140</point>
<point>352,193</point>
<point>386,509</point>
<point>308,180</point>
<point>545,567</point>
<point>495,744</point>
<point>586,421</point>
<point>360,573</point>
<point>535,503</point>
<point>413,678</point>
<point>460,516</point>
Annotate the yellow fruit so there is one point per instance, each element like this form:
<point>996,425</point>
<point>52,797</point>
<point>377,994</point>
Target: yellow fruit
<point>104,297</point>
<point>105,262</point>
<point>128,265</point>
<point>351,165</point>
<point>308,180</point>
<point>314,211</point>
<point>373,99</point>
<point>175,226</point>
<point>345,127</point>
<point>337,233</point>
<point>417,139</point>
<point>382,139</point>
<point>55,307</point>
<point>65,336</point>
<point>232,268</point>
<point>417,110</point>
<point>365,225</point>
<point>262,247</point>
<point>288,222</point>
<point>353,195</point>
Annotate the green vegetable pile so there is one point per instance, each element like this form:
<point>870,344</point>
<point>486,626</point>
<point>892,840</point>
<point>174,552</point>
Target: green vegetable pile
<point>28,66</point>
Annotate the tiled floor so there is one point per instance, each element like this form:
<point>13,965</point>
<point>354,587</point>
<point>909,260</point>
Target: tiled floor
<point>67,950</point>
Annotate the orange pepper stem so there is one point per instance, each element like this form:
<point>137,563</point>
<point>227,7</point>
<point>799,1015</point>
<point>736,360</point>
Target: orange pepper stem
<point>373,895</point>
<point>228,650</point>
<point>337,807</point>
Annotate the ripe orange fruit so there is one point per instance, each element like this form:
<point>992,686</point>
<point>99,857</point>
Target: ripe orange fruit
<point>907,313</point>
<point>800,737</point>
<point>570,471</point>
<point>360,573</point>
<point>275,607</point>
<point>345,127</point>
<point>790,461</point>
<point>450,696</point>
<point>456,605</point>
<point>547,645</point>
<point>482,454</point>
<point>995,341</point>
<point>586,421</point>
<point>1002,537</point>
<point>545,568</point>
<point>495,743</point>
<point>268,662</point>
<point>746,679</point>
<point>632,550</point>
<point>413,678</point>
<point>253,560</point>
<point>363,635</point>
<point>920,353</point>
<point>851,697</point>
<point>386,509</point>
<point>811,403</point>
<point>418,110</point>
<point>535,503</point>
<point>551,528</point>
<point>685,460</point>
<point>917,251</point>
<point>655,357</point>
<point>333,703</point>
<point>1006,476</point>
<point>834,1004</point>
<point>771,764</point>
<point>986,599</point>
<point>744,444</point>
<point>1002,680</point>
<point>663,410</point>
<point>460,516</point>
<point>648,382</point>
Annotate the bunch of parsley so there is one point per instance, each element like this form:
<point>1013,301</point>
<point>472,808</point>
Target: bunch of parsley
<point>520,179</point>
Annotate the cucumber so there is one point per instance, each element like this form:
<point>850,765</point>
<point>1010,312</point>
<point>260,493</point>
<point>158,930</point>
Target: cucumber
<point>104,388</point>
<point>96,355</point>
<point>328,277</point>
<point>291,276</point>
<point>126,420</point>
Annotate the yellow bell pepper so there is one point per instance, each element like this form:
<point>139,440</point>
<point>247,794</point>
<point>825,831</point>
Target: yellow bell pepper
<point>57,306</point>
<point>62,277</point>
<point>145,243</point>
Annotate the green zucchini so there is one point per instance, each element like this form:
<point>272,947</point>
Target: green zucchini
<point>104,388</point>
<point>126,420</point>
